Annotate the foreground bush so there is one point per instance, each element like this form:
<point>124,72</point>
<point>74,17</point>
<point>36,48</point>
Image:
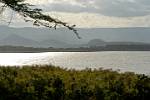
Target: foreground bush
<point>53,83</point>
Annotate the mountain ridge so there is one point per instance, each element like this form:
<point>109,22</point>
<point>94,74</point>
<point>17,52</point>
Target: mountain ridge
<point>132,34</point>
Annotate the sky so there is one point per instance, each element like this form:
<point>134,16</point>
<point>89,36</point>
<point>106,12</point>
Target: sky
<point>93,13</point>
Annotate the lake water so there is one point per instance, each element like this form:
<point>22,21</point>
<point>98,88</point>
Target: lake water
<point>133,61</point>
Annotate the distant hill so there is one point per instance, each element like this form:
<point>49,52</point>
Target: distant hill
<point>101,43</point>
<point>16,40</point>
<point>54,43</point>
<point>96,42</point>
<point>132,34</point>
<point>43,37</point>
<point>126,43</point>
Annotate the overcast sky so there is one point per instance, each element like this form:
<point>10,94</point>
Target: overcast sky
<point>97,13</point>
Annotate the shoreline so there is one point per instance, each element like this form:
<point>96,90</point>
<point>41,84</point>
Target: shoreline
<point>66,51</point>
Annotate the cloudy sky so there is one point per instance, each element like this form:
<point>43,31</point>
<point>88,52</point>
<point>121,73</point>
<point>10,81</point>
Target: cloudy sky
<point>97,13</point>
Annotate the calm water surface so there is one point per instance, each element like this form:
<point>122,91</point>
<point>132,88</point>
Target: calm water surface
<point>138,62</point>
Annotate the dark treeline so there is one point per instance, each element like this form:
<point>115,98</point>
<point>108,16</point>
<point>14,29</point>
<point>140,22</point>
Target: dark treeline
<point>142,47</point>
<point>54,83</point>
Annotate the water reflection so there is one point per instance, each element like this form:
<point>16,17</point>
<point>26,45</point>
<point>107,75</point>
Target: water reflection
<point>125,61</point>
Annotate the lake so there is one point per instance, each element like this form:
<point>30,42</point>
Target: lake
<point>134,61</point>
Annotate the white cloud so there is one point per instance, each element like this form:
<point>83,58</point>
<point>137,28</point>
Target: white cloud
<point>46,2</point>
<point>98,13</point>
<point>119,8</point>
<point>97,20</point>
<point>92,20</point>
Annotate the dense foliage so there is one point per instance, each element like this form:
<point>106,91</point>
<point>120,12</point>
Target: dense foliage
<point>54,83</point>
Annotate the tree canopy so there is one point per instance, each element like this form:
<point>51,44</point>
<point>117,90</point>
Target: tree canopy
<point>35,15</point>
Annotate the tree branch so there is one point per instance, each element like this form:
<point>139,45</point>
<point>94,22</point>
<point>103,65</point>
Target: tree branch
<point>38,18</point>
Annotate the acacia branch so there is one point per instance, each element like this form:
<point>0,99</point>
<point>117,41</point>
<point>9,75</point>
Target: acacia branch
<point>38,18</point>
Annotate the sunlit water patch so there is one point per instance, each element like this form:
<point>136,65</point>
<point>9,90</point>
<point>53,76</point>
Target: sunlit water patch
<point>138,62</point>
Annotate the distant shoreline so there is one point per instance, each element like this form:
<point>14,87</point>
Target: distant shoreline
<point>22,49</point>
<point>63,51</point>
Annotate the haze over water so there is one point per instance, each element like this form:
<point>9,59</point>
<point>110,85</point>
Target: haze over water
<point>137,62</point>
